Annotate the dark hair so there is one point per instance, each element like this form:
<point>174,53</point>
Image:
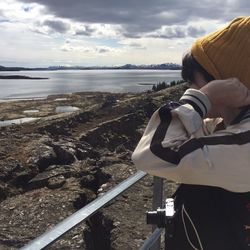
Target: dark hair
<point>189,66</point>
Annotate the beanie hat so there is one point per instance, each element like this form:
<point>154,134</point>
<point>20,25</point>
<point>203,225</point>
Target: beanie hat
<point>225,53</point>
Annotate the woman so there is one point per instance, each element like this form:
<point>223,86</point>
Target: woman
<point>210,157</point>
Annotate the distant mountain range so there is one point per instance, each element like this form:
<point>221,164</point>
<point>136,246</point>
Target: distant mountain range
<point>163,66</point>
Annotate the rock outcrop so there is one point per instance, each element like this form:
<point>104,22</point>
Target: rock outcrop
<point>51,168</point>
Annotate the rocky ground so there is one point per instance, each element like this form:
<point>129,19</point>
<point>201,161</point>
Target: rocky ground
<point>53,166</point>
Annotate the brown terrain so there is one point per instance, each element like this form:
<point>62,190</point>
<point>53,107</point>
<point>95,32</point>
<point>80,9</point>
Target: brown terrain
<point>55,165</point>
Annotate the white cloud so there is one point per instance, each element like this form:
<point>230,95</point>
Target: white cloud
<point>20,12</point>
<point>42,32</point>
<point>142,16</point>
<point>51,26</point>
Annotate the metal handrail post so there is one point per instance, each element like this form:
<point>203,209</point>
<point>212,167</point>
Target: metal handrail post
<point>157,202</point>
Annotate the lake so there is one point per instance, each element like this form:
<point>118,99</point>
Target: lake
<point>69,81</point>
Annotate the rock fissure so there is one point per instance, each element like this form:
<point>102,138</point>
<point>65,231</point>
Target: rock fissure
<point>52,167</point>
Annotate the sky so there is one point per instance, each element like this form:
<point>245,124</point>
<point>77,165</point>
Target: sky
<point>42,33</point>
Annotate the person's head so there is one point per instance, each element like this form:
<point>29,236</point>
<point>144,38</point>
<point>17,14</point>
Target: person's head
<point>193,73</point>
<point>222,54</point>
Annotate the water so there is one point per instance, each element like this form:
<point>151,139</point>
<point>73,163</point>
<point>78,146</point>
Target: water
<point>17,121</point>
<point>69,81</point>
<point>66,109</point>
<point>31,111</point>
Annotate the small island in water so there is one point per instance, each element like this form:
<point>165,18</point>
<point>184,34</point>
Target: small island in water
<point>22,77</point>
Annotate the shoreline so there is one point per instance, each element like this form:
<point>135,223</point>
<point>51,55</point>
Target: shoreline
<point>59,95</point>
<point>11,109</point>
<point>22,99</point>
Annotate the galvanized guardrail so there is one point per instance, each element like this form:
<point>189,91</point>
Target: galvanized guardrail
<point>153,241</point>
<point>73,220</point>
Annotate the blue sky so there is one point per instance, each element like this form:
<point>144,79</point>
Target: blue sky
<point>107,32</point>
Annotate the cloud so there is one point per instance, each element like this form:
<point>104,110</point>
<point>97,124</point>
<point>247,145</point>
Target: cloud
<point>169,32</point>
<point>20,12</point>
<point>1,14</point>
<point>84,30</point>
<point>102,50</point>
<point>49,26</point>
<point>3,18</point>
<point>87,48</point>
<point>27,8</point>
<point>177,32</point>
<point>136,45</point>
<point>108,31</point>
<point>57,25</point>
<point>132,45</point>
<point>141,17</point>
<point>195,31</point>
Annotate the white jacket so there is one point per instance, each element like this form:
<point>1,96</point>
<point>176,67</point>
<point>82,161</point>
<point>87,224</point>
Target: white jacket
<point>179,145</point>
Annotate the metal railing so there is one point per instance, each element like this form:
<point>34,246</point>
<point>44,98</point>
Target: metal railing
<point>153,242</point>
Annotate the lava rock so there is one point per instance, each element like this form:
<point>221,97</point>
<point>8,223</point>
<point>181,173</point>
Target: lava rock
<point>56,182</point>
<point>44,157</point>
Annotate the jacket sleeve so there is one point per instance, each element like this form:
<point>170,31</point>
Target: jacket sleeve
<point>175,147</point>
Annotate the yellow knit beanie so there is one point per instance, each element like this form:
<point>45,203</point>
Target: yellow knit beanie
<point>226,52</point>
